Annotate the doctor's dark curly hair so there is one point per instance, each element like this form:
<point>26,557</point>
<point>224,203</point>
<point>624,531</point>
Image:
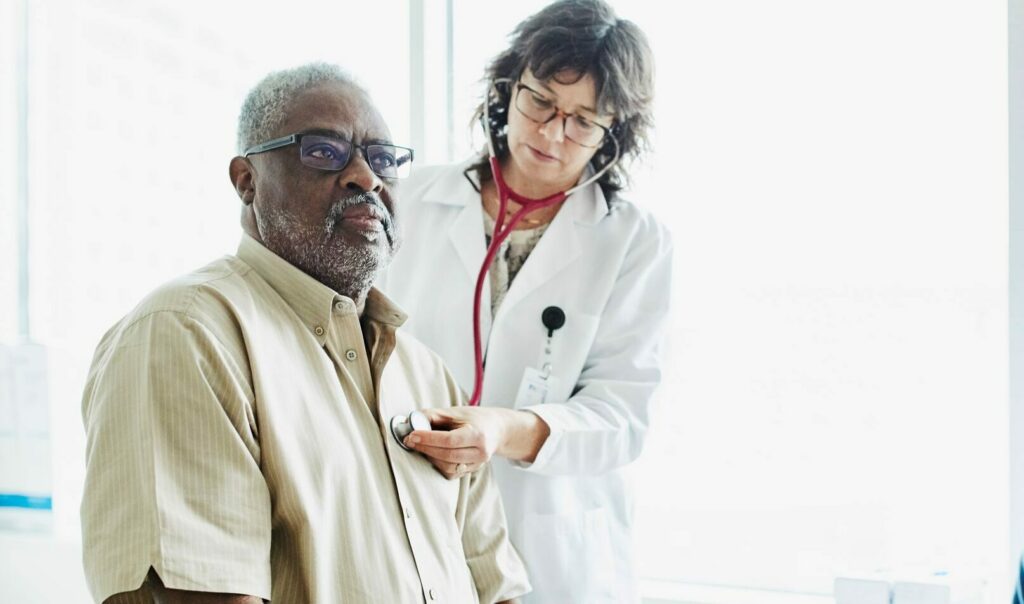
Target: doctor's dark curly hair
<point>565,41</point>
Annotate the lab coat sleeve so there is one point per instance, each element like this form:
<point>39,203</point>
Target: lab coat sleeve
<point>173,475</point>
<point>604,424</point>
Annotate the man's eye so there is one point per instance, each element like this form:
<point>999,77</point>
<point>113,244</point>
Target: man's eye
<point>323,152</point>
<point>384,160</point>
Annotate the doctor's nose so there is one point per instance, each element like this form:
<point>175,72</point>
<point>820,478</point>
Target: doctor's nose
<point>554,129</point>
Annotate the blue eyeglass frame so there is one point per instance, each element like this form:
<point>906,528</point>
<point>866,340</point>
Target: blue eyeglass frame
<point>292,139</point>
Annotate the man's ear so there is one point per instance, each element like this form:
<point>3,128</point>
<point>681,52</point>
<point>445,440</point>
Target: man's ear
<point>243,179</point>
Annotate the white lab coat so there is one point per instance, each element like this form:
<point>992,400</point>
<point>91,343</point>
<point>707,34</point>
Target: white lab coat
<point>570,511</point>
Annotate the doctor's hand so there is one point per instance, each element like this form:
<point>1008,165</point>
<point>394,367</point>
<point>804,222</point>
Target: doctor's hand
<point>464,438</point>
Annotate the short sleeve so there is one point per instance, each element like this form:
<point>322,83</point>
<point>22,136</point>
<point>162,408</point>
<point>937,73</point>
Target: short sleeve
<point>173,476</point>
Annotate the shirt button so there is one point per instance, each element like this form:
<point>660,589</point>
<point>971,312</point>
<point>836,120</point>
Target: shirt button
<point>339,306</point>
<point>318,330</point>
<point>430,592</point>
<point>350,355</point>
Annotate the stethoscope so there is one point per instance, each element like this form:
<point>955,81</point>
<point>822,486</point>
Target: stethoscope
<point>401,425</point>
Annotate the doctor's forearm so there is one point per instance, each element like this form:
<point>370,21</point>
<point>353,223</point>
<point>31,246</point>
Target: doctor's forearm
<point>525,434</point>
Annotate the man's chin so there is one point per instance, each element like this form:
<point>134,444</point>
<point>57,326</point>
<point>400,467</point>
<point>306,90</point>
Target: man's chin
<point>361,238</point>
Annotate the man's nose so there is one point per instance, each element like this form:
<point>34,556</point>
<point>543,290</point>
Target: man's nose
<point>357,175</point>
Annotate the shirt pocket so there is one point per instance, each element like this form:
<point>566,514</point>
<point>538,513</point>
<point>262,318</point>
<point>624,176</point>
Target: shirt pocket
<point>569,557</point>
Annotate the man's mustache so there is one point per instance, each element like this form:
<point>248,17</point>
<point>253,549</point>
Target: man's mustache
<point>366,197</point>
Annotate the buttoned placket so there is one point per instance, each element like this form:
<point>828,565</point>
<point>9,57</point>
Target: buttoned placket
<point>344,343</point>
<point>363,354</point>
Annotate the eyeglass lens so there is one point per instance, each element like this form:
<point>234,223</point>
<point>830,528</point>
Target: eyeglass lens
<point>329,153</point>
<point>539,109</point>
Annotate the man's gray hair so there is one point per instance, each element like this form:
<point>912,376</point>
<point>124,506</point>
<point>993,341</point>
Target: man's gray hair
<point>264,107</point>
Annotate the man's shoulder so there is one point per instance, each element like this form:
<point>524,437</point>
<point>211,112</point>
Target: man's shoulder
<point>193,312</point>
<point>222,280</point>
<point>208,295</point>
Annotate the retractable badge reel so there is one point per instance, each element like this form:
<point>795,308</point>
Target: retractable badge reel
<point>553,319</point>
<point>534,388</point>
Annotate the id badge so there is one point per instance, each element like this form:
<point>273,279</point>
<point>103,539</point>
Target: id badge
<point>534,388</point>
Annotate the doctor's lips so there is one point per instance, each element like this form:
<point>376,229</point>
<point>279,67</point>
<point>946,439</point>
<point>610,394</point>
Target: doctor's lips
<point>541,155</point>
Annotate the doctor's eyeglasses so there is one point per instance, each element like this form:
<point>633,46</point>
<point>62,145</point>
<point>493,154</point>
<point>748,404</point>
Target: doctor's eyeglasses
<point>331,153</point>
<point>538,108</point>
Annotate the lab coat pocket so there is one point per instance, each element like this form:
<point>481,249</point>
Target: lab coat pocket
<point>570,555</point>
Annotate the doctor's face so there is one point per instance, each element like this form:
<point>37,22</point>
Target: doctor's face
<point>542,149</point>
<point>336,226</point>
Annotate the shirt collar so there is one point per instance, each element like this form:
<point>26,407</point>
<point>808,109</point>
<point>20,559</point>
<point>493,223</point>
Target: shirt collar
<point>382,309</point>
<point>311,300</point>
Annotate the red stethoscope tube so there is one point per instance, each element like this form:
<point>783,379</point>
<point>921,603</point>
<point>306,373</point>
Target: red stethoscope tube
<point>502,231</point>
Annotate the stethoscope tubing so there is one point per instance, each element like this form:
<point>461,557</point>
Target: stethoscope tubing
<point>501,233</point>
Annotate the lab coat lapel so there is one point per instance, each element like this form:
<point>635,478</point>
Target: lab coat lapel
<point>559,246</point>
<point>466,231</point>
<point>466,235</point>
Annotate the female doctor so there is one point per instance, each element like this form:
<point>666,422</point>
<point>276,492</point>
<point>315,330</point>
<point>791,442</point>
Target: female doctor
<point>566,392</point>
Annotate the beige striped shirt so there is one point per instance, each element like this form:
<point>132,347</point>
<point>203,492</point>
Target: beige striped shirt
<point>238,442</point>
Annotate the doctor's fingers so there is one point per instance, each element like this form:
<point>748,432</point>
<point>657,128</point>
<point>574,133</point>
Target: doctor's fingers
<point>443,419</point>
<point>466,455</point>
<point>465,436</point>
<point>454,471</point>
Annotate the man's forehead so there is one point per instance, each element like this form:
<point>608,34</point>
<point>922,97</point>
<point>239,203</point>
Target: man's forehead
<point>338,108</point>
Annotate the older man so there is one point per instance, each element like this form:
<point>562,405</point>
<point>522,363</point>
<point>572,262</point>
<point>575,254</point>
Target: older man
<point>238,448</point>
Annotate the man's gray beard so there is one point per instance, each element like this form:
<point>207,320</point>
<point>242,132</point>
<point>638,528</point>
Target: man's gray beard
<point>322,253</point>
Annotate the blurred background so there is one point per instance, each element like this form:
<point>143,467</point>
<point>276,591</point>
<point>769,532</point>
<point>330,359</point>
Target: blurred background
<point>836,179</point>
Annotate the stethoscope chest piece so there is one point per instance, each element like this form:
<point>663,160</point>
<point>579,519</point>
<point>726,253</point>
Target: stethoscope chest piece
<point>402,426</point>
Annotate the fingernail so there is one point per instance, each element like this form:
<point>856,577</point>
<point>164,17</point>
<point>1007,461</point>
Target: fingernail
<point>411,440</point>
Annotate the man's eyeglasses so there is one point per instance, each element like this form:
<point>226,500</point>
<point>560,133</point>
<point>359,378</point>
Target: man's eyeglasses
<point>538,108</point>
<point>333,154</point>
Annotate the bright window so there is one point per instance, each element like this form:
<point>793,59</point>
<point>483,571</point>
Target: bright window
<point>9,165</point>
